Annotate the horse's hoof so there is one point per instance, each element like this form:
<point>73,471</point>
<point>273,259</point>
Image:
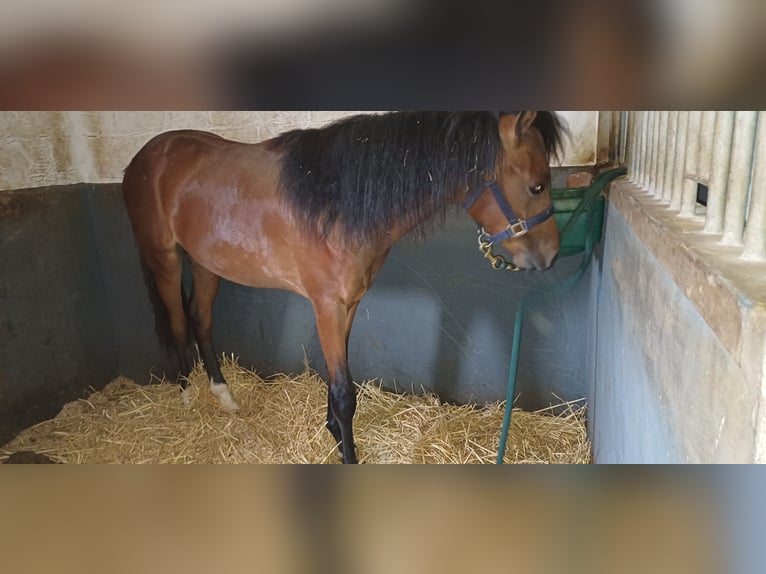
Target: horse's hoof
<point>355,459</point>
<point>221,391</point>
<point>28,457</point>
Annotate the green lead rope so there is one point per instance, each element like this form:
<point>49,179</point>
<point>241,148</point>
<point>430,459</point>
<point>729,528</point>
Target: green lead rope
<point>586,205</point>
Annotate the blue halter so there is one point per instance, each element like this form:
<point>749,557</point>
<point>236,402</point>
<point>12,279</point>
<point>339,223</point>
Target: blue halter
<point>516,227</point>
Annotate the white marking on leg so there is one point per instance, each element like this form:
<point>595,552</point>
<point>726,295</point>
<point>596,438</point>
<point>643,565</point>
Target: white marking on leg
<point>187,397</point>
<point>221,391</point>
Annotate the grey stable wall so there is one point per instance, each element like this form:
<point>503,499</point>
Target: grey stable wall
<point>74,314</point>
<point>662,387</point>
<point>55,329</point>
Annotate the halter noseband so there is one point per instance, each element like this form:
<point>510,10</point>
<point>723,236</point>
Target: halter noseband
<point>516,226</point>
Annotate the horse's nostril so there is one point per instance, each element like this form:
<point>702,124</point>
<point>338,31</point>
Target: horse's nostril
<point>549,261</point>
<point>541,262</point>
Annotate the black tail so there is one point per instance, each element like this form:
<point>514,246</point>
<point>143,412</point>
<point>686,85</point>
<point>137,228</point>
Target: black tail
<point>161,316</point>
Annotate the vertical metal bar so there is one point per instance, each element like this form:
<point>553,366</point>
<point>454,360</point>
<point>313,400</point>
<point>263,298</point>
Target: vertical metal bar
<point>656,152</point>
<point>630,151</point>
<point>689,190</point>
<point>655,148</point>
<point>707,129</point>
<point>628,133</point>
<point>642,119</point>
<point>638,122</point>
<point>678,167</point>
<point>719,172</point>
<point>656,189</point>
<point>649,150</point>
<point>623,143</point>
<point>643,147</point>
<point>631,146</point>
<point>670,156</point>
<point>614,137</point>
<point>636,145</point>
<point>648,154</point>
<point>755,230</point>
<point>739,177</point>
<point>661,156</point>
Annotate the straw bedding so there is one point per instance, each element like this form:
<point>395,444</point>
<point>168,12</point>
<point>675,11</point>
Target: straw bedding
<point>281,420</point>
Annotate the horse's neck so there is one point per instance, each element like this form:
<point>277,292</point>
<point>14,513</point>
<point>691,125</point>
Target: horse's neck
<point>400,229</point>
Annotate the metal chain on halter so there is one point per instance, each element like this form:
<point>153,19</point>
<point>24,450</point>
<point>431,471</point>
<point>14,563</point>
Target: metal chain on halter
<point>516,226</point>
<point>498,262</point>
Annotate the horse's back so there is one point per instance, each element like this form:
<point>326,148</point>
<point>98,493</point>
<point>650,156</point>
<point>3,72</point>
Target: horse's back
<point>170,160</point>
<point>219,199</point>
<point>157,175</point>
<point>170,144</point>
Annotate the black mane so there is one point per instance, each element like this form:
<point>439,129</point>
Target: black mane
<point>367,173</point>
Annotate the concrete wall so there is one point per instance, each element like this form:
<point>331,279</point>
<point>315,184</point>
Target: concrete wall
<point>55,329</point>
<point>666,384</point>
<point>59,148</point>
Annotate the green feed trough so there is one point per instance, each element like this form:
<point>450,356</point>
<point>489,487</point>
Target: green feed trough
<point>568,202</point>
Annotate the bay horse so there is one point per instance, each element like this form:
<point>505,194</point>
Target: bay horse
<point>316,212</point>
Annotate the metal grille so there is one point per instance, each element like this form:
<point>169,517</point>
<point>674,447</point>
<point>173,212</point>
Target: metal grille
<point>703,164</point>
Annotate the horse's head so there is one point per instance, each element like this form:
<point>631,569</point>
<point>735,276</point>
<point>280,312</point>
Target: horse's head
<point>513,206</point>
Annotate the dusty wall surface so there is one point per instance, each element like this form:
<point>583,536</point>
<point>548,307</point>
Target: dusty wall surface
<point>36,150</point>
<point>55,332</point>
<point>665,387</point>
<point>59,148</point>
<point>580,147</point>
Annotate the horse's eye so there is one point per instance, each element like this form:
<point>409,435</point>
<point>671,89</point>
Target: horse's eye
<point>536,189</point>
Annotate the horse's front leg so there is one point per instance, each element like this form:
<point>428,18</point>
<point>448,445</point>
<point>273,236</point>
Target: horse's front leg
<point>334,319</point>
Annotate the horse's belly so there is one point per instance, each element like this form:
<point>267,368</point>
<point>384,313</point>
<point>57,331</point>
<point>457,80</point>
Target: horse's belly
<point>243,245</point>
<point>252,268</point>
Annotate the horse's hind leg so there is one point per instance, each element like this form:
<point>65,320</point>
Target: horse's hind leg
<point>204,290</point>
<point>166,267</point>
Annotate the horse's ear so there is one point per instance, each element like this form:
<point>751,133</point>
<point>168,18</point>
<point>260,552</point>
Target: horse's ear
<point>513,126</point>
<point>524,122</point>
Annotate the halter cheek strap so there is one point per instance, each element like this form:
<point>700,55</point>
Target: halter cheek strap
<point>516,226</point>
